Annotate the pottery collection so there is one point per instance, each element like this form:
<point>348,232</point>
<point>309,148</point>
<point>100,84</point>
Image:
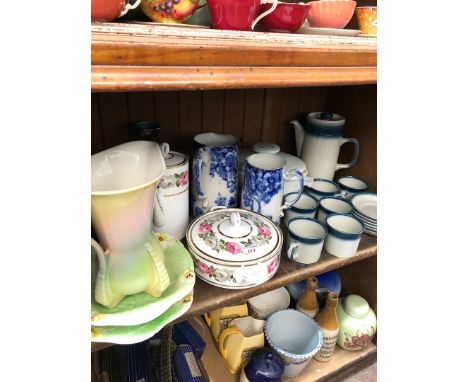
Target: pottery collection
<point>232,208</point>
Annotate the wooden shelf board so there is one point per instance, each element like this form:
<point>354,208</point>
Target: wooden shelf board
<point>342,363</point>
<point>207,297</point>
<point>149,78</point>
<point>134,57</point>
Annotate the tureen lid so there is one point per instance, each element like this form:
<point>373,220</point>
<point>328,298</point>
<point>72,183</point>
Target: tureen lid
<point>172,158</point>
<point>234,235</point>
<point>355,306</point>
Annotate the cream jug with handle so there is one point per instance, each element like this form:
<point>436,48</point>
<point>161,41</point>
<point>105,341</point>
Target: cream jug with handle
<point>238,341</point>
<point>319,144</point>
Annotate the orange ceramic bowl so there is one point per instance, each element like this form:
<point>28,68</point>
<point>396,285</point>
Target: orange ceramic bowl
<point>330,13</point>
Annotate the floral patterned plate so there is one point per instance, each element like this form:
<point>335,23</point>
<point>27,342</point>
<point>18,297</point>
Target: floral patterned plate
<point>142,307</point>
<point>126,335</point>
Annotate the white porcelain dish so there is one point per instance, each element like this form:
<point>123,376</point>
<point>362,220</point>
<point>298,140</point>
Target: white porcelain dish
<point>234,248</point>
<point>365,204</point>
<point>264,304</point>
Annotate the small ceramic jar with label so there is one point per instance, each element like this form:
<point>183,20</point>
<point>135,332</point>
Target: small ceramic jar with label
<point>171,199</point>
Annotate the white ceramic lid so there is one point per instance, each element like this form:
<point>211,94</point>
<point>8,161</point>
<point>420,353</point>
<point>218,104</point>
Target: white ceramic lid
<point>234,235</point>
<point>172,158</point>
<point>294,162</point>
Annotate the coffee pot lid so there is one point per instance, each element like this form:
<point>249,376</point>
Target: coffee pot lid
<point>265,365</point>
<point>324,124</point>
<point>355,306</point>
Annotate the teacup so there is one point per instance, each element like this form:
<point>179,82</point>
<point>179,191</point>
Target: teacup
<point>367,20</point>
<point>321,188</point>
<point>295,336</point>
<point>238,15</point>
<point>305,239</point>
<point>333,205</point>
<point>262,190</point>
<point>306,206</point>
<point>351,185</point>
<point>344,235</point>
<point>263,305</point>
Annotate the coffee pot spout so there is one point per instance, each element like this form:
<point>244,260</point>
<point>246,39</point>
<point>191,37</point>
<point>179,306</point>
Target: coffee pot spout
<point>299,134</point>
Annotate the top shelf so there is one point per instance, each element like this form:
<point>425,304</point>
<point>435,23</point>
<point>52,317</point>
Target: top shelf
<point>145,56</point>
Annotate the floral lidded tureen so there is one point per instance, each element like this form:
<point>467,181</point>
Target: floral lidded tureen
<point>234,248</point>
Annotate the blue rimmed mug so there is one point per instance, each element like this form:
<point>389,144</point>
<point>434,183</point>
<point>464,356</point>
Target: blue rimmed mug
<point>333,205</point>
<point>321,188</point>
<point>351,185</point>
<point>344,235</point>
<point>262,190</point>
<point>305,206</point>
<point>214,172</point>
<point>305,239</point>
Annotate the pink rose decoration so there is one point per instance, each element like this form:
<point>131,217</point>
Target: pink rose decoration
<point>233,248</point>
<point>204,228</point>
<point>184,178</point>
<point>264,231</point>
<point>273,263</point>
<point>205,269</point>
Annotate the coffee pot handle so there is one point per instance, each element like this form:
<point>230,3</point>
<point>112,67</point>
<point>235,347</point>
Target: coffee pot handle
<point>294,173</point>
<point>129,6</point>
<point>267,12</point>
<point>222,337</point>
<point>355,156</point>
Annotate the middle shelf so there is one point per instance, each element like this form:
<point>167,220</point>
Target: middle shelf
<point>206,297</point>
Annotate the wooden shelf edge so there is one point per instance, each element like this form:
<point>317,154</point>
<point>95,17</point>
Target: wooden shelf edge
<point>342,364</point>
<point>207,297</point>
<point>149,78</point>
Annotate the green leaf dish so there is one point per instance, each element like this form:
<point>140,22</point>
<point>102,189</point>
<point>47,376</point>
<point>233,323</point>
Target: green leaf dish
<point>125,335</point>
<point>143,308</point>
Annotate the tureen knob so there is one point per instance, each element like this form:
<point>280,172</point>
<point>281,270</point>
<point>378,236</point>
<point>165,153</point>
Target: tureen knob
<point>235,219</point>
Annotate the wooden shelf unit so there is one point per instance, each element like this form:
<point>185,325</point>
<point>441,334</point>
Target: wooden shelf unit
<point>181,68</point>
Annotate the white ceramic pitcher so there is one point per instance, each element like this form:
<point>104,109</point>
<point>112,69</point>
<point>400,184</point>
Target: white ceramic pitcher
<point>319,144</point>
<point>131,260</point>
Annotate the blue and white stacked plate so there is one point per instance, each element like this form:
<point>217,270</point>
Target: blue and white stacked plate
<point>365,210</point>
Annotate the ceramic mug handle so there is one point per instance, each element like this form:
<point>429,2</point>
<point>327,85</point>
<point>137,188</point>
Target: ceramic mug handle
<point>355,156</point>
<point>222,337</point>
<point>266,13</point>
<point>129,6</point>
<point>200,158</point>
<point>159,219</point>
<point>292,251</point>
<point>294,173</point>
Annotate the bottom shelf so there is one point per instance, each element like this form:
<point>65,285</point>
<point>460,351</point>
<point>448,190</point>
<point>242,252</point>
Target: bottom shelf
<point>343,363</point>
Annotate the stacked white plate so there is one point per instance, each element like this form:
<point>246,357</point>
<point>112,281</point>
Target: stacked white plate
<point>365,210</point>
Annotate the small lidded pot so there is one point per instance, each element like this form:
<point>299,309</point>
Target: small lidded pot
<point>358,323</point>
<point>265,365</point>
<point>234,248</point>
<point>171,200</point>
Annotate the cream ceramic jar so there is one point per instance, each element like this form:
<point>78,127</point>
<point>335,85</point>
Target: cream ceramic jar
<point>234,248</point>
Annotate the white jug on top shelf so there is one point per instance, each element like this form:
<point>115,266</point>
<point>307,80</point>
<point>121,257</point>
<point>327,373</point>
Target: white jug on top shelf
<point>319,144</point>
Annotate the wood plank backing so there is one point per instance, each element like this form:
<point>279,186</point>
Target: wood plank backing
<point>213,111</point>
<point>358,104</point>
<point>167,114</point>
<point>114,119</point>
<point>97,143</point>
<point>271,115</point>
<point>144,78</point>
<point>253,116</point>
<point>140,107</point>
<point>190,118</point>
<point>234,108</point>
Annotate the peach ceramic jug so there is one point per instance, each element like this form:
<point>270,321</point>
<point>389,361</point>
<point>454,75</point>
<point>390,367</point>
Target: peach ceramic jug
<point>238,341</point>
<point>131,260</point>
